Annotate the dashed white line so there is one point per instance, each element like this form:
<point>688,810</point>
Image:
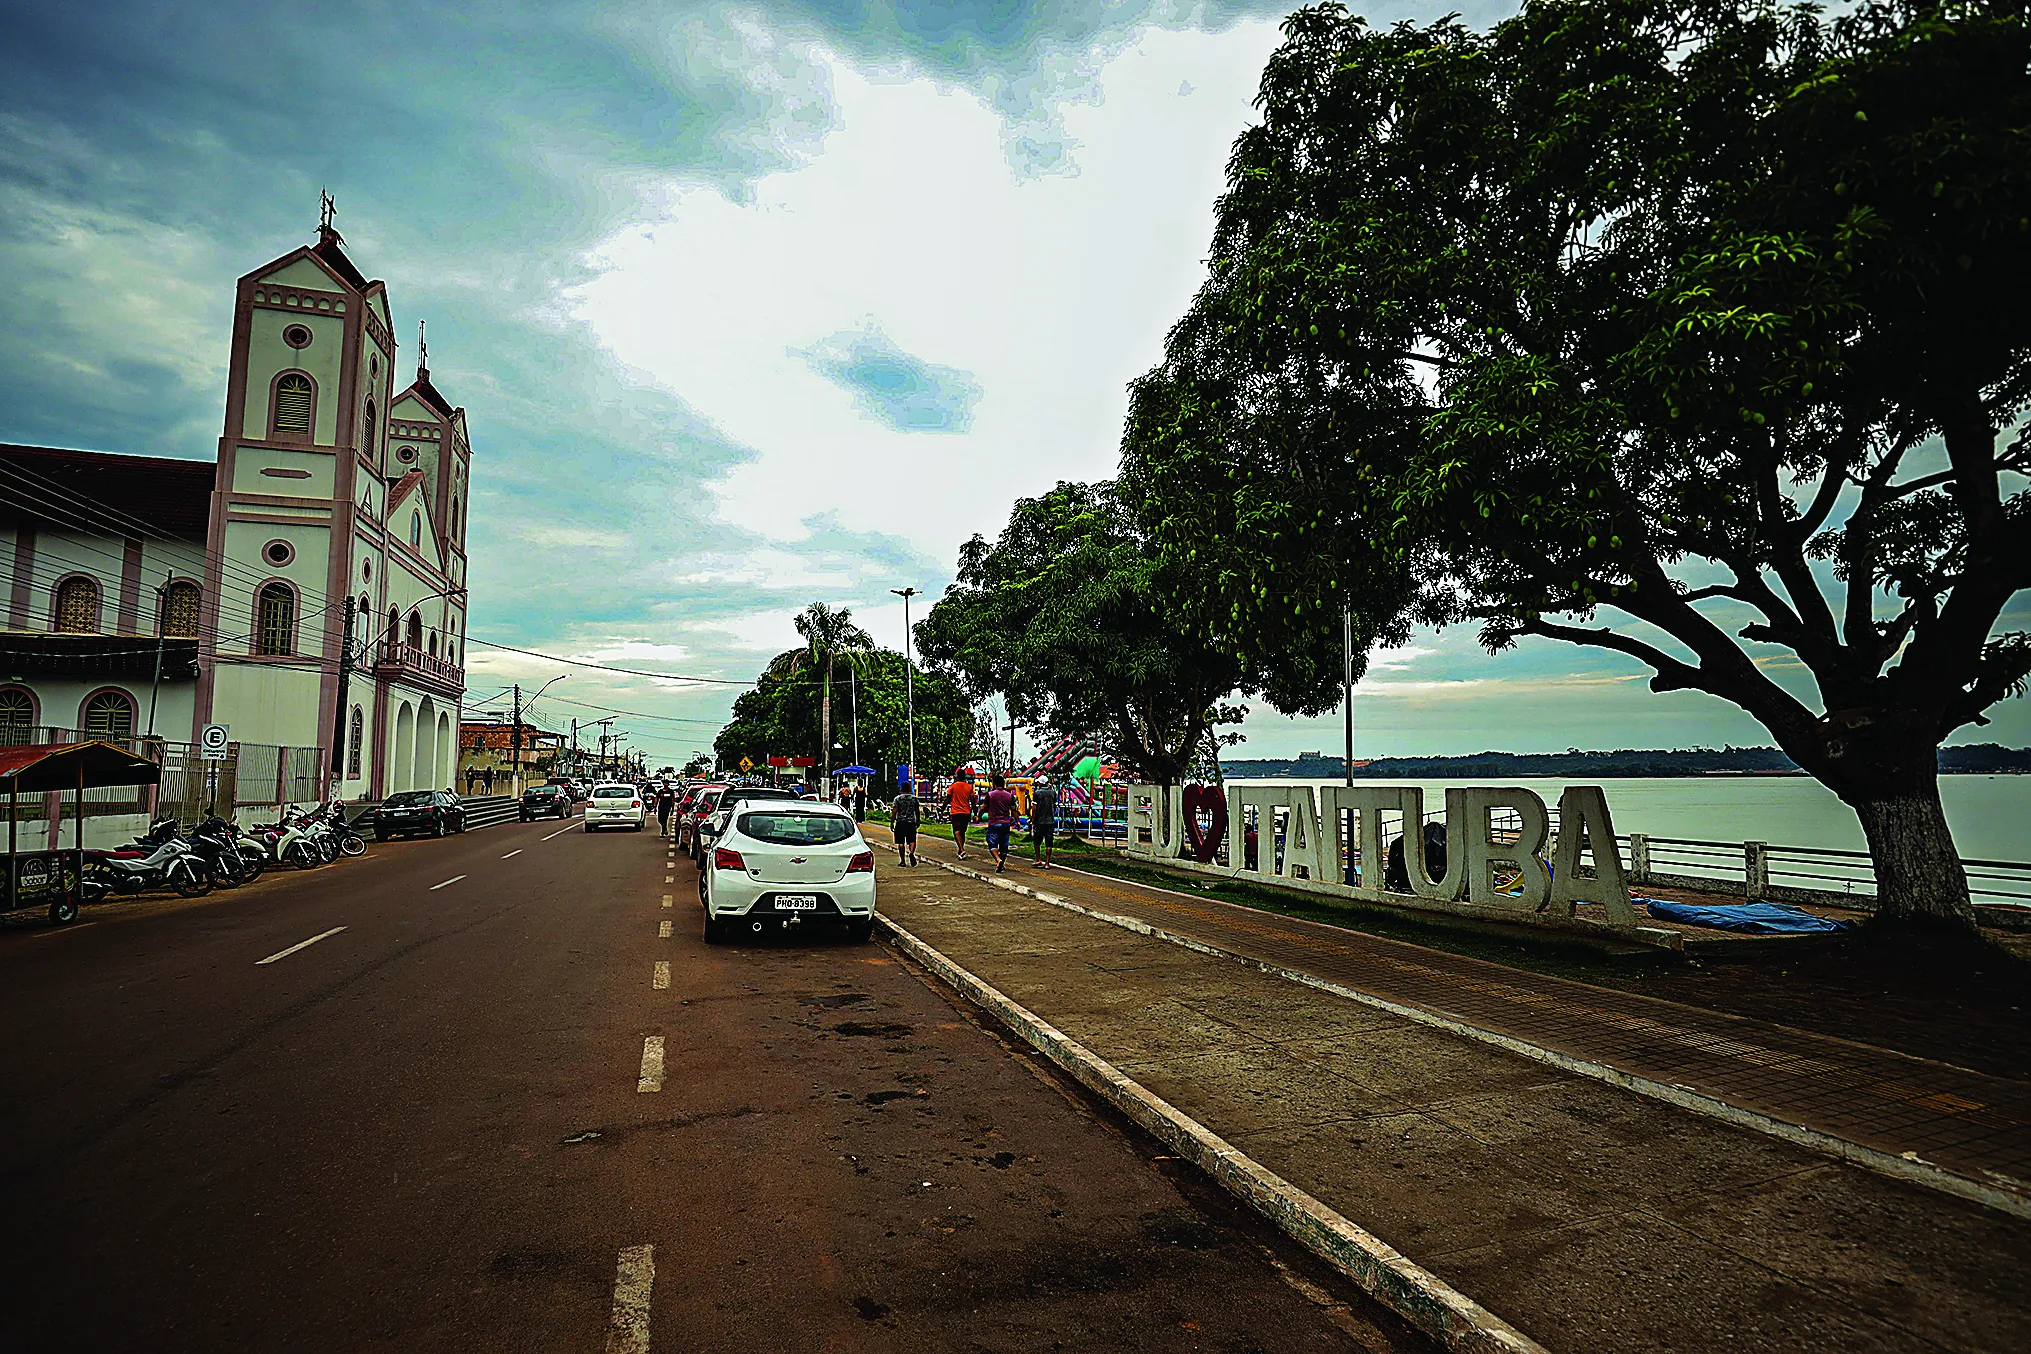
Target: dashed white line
<point>661,980</point>
<point>667,900</point>
<point>663,931</point>
<point>558,833</point>
<point>627,1330</point>
<point>512,854</point>
<point>447,883</point>
<point>652,1064</point>
<point>669,879</point>
<point>299,945</point>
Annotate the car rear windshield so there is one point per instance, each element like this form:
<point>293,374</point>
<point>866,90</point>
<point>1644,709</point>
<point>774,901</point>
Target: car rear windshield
<point>543,792</point>
<point>786,828</point>
<point>613,792</point>
<point>407,799</point>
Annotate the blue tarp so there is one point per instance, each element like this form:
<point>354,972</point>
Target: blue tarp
<point>1763,919</point>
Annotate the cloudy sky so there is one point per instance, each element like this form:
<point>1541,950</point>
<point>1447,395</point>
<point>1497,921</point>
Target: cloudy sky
<point>750,306</point>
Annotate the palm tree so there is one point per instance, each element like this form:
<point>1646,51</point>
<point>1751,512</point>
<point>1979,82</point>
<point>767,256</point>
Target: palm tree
<point>828,637</point>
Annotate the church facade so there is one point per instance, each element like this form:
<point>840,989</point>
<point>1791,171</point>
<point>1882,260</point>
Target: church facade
<point>319,597</point>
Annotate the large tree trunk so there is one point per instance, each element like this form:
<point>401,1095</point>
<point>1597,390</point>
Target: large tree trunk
<point>1919,875</point>
<point>825,724</point>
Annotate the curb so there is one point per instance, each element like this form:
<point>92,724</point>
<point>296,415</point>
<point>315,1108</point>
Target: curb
<point>1406,1288</point>
<point>1910,1167</point>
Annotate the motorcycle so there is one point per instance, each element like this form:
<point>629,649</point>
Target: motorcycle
<point>170,864</point>
<point>348,838</point>
<point>234,860</point>
<point>290,842</point>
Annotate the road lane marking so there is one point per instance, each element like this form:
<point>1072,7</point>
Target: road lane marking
<point>299,945</point>
<point>652,1064</point>
<point>661,982</point>
<point>558,833</point>
<point>663,931</point>
<point>512,854</point>
<point>669,879</point>
<point>667,900</point>
<point>627,1330</point>
<point>447,883</point>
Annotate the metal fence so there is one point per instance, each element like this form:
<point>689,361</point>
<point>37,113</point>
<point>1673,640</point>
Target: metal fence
<point>252,779</point>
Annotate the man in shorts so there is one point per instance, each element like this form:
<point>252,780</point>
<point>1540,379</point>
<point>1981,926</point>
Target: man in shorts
<point>1043,821</point>
<point>903,824</point>
<point>1001,816</point>
<point>959,808</point>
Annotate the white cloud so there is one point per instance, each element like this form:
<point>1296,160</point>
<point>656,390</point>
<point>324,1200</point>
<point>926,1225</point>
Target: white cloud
<point>1052,293</point>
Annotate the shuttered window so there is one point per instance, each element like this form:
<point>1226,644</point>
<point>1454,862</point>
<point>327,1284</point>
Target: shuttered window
<point>179,610</point>
<point>77,606</point>
<point>277,610</point>
<point>294,396</point>
<point>109,715</point>
<point>355,736</point>
<point>17,717</point>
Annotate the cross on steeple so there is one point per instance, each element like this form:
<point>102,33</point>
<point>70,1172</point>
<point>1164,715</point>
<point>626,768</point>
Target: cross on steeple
<point>327,209</point>
<point>422,354</point>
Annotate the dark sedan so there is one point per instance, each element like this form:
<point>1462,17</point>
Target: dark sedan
<point>545,801</point>
<point>418,813</point>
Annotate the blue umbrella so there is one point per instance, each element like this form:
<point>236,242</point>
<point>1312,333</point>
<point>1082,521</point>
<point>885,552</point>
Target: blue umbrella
<point>854,771</point>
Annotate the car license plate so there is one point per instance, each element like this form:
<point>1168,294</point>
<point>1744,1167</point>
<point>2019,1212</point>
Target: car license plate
<point>796,902</point>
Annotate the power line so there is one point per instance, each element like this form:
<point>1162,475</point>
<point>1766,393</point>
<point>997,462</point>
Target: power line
<point>608,667</point>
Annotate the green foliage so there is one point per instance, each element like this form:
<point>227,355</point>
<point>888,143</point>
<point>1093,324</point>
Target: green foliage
<point>1064,617</point>
<point>1636,305</point>
<point>784,712</point>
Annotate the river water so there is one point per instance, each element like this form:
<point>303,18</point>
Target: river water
<point>1990,815</point>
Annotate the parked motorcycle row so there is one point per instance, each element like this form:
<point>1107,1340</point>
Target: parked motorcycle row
<point>217,854</point>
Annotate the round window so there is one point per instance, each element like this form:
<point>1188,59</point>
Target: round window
<point>278,552</point>
<point>297,336</point>
<point>373,366</point>
<point>406,455</point>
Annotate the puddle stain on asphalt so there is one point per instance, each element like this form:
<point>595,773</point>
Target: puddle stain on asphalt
<point>613,1133</point>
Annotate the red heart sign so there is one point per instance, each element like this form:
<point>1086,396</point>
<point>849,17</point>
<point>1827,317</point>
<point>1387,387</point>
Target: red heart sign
<point>1209,800</point>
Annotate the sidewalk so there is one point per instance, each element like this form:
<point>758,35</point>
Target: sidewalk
<point>1592,1218</point>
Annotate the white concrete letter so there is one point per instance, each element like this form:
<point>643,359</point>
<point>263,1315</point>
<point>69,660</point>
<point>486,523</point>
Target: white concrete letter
<point>1583,813</point>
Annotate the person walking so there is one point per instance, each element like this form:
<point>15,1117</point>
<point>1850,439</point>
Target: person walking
<point>1043,821</point>
<point>1001,816</point>
<point>903,823</point>
<point>666,804</point>
<point>860,803</point>
<point>959,808</point>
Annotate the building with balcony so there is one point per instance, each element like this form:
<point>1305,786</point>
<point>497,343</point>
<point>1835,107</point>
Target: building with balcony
<point>306,587</point>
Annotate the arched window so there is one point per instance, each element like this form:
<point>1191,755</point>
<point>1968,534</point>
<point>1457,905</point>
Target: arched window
<point>294,403</point>
<point>416,529</point>
<point>415,630</point>
<point>17,717</point>
<point>394,625</point>
<point>110,714</point>
<point>433,644</point>
<point>275,620</point>
<point>368,429</point>
<point>356,734</point>
<point>179,609</point>
<point>366,615</point>
<point>77,606</point>
<point>454,519</point>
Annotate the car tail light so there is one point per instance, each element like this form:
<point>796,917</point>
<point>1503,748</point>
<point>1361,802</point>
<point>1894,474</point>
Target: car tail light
<point>726,858</point>
<point>636,805</point>
<point>861,864</point>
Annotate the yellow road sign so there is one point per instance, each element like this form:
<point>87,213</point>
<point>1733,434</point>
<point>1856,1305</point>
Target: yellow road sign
<point>747,764</point>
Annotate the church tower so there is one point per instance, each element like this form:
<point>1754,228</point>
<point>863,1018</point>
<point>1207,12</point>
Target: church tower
<point>301,554</point>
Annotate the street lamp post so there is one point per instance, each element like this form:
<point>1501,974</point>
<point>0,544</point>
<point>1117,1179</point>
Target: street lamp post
<point>909,693</point>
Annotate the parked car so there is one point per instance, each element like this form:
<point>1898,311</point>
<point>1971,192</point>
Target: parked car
<point>695,812</point>
<point>783,862</point>
<point>715,822</point>
<point>412,813</point>
<point>615,805</point>
<point>573,790</point>
<point>545,801</point>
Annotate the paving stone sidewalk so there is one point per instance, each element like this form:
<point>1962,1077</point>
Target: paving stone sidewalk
<point>1590,1217</point>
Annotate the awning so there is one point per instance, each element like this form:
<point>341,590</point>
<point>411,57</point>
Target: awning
<point>55,766</point>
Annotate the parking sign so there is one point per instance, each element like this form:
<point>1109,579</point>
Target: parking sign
<point>212,743</point>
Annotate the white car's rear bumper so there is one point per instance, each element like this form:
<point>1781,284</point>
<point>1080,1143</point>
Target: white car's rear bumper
<point>736,895</point>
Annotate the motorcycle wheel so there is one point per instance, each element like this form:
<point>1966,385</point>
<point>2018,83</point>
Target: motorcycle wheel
<point>302,856</point>
<point>227,876</point>
<point>63,911</point>
<point>253,866</point>
<point>353,844</point>
<point>194,881</point>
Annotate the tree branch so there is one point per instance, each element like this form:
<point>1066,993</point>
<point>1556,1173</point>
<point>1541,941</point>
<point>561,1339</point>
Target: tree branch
<point>1672,675</point>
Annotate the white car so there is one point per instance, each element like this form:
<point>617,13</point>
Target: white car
<point>788,863</point>
<point>615,805</point>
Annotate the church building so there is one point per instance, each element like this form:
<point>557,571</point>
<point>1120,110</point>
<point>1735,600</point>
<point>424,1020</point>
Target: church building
<point>318,599</point>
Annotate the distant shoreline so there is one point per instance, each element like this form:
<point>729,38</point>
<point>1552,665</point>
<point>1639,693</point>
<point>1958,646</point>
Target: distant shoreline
<point>1982,759</point>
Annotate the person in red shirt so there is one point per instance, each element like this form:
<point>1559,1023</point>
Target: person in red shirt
<point>959,807</point>
<point>1001,817</point>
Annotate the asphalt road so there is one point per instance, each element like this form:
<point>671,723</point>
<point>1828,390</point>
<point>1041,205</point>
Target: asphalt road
<point>438,1129</point>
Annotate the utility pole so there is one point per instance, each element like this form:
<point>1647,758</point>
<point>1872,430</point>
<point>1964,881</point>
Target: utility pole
<point>338,714</point>
<point>162,633</point>
<point>1347,674</point>
<point>1011,745</point>
<point>909,695</point>
<point>853,690</point>
<point>515,744</point>
<point>574,747</point>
